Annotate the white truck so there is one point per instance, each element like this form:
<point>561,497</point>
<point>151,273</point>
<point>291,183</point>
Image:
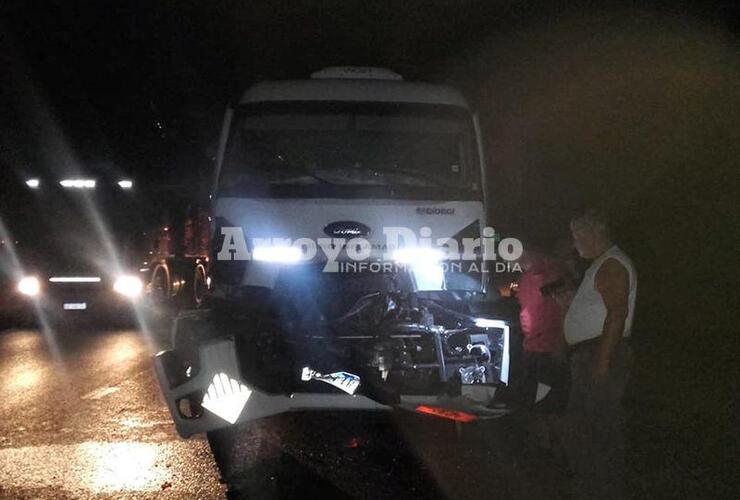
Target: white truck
<point>347,264</point>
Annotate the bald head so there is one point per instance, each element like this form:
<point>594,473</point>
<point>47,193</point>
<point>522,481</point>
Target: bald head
<point>590,234</point>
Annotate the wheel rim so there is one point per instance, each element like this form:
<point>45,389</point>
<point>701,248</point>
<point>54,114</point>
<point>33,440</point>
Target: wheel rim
<point>199,286</point>
<point>159,287</point>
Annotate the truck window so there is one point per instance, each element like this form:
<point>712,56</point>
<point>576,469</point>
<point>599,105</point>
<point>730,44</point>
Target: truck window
<point>421,148</point>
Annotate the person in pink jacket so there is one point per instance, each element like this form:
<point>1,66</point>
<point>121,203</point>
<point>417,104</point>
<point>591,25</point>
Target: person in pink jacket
<point>541,319</point>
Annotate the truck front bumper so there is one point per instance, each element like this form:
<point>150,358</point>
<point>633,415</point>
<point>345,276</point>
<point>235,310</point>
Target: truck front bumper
<point>239,402</point>
<point>223,399</point>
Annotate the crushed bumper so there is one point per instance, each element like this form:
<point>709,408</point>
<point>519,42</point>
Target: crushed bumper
<point>219,378</point>
<point>218,360</point>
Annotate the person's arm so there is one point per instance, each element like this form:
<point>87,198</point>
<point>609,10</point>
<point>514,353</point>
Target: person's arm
<point>612,282</point>
<point>564,297</point>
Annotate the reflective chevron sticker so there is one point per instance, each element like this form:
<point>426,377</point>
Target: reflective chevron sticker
<point>226,397</point>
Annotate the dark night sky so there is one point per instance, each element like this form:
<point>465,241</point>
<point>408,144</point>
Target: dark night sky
<point>616,105</point>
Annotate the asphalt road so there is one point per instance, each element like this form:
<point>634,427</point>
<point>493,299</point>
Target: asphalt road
<point>82,417</point>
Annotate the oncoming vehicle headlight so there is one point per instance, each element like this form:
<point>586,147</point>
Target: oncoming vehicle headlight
<point>29,285</point>
<point>128,286</point>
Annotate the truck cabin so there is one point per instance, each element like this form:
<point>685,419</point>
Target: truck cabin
<point>351,133</point>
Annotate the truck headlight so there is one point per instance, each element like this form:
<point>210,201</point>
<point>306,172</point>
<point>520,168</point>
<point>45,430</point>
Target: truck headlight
<point>30,286</point>
<point>128,286</point>
<point>282,255</point>
<point>425,266</point>
<point>505,356</point>
<point>418,255</point>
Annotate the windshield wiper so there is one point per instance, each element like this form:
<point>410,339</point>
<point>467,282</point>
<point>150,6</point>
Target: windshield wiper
<point>277,175</point>
<point>411,174</point>
<point>299,170</point>
<point>304,172</point>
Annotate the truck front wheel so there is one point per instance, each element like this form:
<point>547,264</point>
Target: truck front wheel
<point>200,286</point>
<point>248,456</point>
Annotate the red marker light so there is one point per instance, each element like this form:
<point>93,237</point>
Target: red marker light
<point>457,416</point>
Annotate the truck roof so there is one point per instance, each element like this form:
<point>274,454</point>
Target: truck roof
<point>339,84</point>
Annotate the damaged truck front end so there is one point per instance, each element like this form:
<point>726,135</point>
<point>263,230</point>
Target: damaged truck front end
<point>286,352</point>
<point>348,260</point>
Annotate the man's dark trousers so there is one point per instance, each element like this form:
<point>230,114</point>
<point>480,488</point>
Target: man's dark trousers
<point>594,422</point>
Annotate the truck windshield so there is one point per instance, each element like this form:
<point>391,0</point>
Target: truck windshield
<point>420,148</point>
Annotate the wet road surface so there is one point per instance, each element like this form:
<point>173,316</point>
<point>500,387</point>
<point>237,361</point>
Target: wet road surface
<point>89,422</point>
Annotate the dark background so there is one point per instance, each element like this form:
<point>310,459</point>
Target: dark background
<point>631,107</point>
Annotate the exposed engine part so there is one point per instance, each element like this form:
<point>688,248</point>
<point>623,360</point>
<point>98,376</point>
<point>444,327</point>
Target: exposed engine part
<point>473,374</point>
<point>381,361</point>
<point>399,343</point>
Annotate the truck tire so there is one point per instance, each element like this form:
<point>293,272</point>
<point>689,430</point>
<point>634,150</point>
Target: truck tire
<point>200,287</point>
<point>248,456</point>
<point>190,329</point>
<point>160,286</point>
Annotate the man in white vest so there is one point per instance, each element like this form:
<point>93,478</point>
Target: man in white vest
<point>597,325</point>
